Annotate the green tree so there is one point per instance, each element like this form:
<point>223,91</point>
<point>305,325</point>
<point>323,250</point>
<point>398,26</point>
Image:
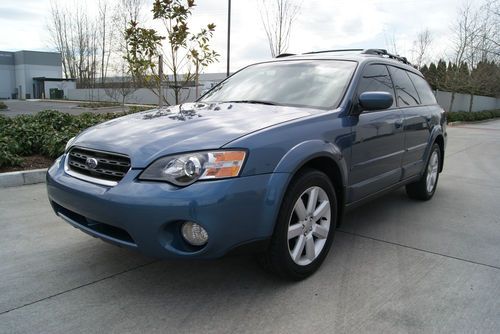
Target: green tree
<point>184,49</point>
<point>441,75</point>
<point>431,76</point>
<point>142,53</point>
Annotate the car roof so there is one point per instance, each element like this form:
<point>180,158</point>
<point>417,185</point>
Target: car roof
<point>358,55</point>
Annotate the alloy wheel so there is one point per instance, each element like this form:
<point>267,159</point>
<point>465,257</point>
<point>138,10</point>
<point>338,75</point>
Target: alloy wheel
<point>309,225</point>
<point>432,171</point>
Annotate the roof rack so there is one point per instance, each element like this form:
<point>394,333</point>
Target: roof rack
<point>328,51</point>
<point>383,52</point>
<point>377,52</point>
<point>283,55</point>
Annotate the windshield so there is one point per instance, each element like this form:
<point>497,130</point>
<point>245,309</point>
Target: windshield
<point>305,83</point>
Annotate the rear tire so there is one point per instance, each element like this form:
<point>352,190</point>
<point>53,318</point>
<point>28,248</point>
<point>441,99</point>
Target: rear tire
<point>305,227</point>
<point>425,188</point>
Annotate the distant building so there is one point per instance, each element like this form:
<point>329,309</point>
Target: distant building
<point>32,74</point>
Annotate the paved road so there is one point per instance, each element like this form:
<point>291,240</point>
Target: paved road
<point>30,107</point>
<point>396,266</point>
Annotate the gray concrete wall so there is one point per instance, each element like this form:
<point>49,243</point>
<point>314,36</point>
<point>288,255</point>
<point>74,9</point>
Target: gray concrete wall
<point>7,81</point>
<point>64,85</point>
<point>6,58</point>
<point>140,96</point>
<point>38,58</point>
<point>462,102</point>
<point>26,72</point>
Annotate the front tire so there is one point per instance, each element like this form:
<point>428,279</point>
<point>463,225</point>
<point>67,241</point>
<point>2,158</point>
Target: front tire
<point>425,188</point>
<point>305,227</point>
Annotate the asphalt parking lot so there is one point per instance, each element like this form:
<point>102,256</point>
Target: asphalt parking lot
<point>396,266</point>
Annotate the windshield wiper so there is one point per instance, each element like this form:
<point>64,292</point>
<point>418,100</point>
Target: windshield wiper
<point>253,101</point>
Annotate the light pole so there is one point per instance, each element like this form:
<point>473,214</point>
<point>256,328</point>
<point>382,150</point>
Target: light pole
<point>160,86</point>
<point>228,35</point>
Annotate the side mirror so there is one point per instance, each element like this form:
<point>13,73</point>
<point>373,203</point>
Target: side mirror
<point>375,100</point>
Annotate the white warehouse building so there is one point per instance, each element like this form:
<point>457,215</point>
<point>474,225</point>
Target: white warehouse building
<point>31,74</point>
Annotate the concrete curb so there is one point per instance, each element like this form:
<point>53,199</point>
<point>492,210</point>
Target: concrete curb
<point>22,178</point>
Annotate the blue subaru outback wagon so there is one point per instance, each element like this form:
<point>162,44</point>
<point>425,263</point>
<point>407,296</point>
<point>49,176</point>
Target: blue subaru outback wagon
<point>268,160</point>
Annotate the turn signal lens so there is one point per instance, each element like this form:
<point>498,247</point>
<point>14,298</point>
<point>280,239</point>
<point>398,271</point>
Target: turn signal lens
<point>224,164</point>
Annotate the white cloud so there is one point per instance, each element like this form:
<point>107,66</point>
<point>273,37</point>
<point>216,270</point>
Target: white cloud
<point>321,24</point>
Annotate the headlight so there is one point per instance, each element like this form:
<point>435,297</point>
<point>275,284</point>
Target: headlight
<point>69,143</point>
<point>184,169</point>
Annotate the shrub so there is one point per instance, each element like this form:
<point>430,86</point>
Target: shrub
<point>2,105</point>
<point>135,109</point>
<point>8,157</point>
<point>45,133</point>
<point>98,104</point>
<point>465,116</point>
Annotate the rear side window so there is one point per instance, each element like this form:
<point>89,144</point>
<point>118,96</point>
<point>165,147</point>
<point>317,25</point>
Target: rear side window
<point>376,79</point>
<point>405,91</point>
<point>423,89</point>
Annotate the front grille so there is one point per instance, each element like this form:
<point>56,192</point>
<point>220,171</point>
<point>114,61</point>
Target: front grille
<point>110,166</point>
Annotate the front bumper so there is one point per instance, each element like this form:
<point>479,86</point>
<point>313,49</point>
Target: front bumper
<point>147,215</point>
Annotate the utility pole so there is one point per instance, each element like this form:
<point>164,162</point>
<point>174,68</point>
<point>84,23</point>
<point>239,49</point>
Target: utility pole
<point>228,35</point>
<point>160,87</point>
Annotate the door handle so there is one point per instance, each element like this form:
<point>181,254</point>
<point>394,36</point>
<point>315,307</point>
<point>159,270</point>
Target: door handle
<point>398,123</point>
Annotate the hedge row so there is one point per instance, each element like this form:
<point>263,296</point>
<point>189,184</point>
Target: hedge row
<point>98,104</point>
<point>465,116</point>
<point>45,133</point>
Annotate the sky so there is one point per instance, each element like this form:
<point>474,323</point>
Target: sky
<point>320,25</point>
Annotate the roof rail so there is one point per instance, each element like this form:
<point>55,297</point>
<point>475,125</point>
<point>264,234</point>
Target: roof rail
<point>383,52</point>
<point>377,52</point>
<point>283,55</point>
<point>327,51</point>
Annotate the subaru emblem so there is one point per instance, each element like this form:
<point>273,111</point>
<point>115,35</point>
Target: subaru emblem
<point>91,163</point>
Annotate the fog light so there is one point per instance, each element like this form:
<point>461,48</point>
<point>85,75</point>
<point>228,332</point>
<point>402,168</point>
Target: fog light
<point>194,234</point>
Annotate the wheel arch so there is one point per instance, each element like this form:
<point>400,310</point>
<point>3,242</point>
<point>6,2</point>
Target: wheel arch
<point>440,141</point>
<point>322,156</point>
<point>436,137</point>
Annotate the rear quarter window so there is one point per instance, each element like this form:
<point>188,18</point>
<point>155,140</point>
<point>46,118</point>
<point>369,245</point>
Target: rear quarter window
<point>423,89</point>
<point>405,91</point>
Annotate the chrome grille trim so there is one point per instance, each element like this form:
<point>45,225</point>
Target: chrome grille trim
<point>111,168</point>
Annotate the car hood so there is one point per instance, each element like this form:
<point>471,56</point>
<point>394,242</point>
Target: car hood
<point>149,135</point>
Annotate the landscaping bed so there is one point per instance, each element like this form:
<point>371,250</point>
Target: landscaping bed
<point>34,141</point>
<point>465,116</point>
<point>36,161</point>
<point>96,105</point>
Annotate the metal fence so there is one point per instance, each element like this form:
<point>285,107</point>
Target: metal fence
<point>462,102</point>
